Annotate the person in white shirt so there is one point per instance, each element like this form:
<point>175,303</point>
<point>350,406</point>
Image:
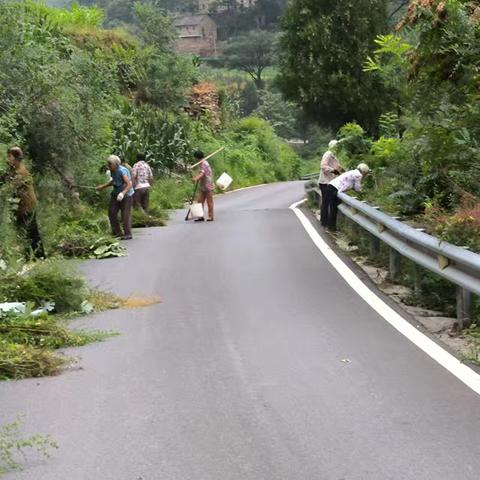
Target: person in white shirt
<point>346,181</point>
<point>329,169</point>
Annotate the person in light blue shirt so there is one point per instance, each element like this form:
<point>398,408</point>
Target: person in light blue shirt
<point>121,199</point>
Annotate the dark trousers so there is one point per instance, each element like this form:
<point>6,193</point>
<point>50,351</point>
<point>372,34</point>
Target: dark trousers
<point>142,198</point>
<point>125,206</point>
<point>27,224</point>
<point>323,204</point>
<point>331,207</point>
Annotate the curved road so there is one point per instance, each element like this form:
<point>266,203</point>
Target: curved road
<point>238,373</point>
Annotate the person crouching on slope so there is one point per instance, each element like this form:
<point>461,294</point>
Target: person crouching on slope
<point>26,211</point>
<point>205,177</point>
<point>346,181</point>
<point>121,199</point>
<point>329,169</point>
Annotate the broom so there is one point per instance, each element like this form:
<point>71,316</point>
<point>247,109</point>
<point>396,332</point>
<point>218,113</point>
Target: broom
<point>192,200</point>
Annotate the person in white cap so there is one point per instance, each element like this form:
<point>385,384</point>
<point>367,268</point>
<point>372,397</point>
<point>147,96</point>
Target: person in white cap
<point>346,181</point>
<point>329,169</point>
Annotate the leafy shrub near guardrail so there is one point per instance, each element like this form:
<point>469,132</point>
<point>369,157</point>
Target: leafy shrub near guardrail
<point>462,227</point>
<point>426,151</point>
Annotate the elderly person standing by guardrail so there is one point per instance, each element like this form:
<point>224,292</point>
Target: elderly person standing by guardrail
<point>346,181</point>
<point>121,199</point>
<point>329,169</point>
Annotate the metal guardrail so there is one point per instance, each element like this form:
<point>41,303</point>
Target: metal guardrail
<point>310,176</point>
<point>456,264</point>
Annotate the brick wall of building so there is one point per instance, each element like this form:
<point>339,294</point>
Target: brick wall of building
<point>202,46</point>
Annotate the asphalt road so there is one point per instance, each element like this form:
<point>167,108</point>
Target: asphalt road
<point>238,373</point>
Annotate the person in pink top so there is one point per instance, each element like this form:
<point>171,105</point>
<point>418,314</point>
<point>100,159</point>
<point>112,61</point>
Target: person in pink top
<point>330,168</point>
<point>205,177</point>
<point>142,179</point>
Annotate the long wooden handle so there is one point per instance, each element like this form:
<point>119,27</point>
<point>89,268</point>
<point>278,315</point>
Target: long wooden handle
<point>207,157</point>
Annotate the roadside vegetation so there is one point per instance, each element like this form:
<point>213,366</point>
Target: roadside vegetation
<point>421,141</point>
<point>35,305</point>
<point>413,116</point>
<point>78,84</point>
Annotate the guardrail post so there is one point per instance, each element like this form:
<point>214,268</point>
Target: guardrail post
<point>394,264</point>
<point>464,308</point>
<point>374,245</point>
<point>417,280</point>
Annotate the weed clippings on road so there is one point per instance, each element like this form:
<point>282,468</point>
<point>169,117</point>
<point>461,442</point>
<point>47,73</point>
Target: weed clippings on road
<point>139,302</point>
<point>14,445</point>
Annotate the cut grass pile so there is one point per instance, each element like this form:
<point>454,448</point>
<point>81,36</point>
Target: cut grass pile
<point>28,341</point>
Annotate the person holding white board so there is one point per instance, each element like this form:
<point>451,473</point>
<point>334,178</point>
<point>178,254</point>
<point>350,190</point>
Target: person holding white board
<point>205,179</point>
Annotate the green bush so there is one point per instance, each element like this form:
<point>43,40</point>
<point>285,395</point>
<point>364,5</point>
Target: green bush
<point>162,137</point>
<point>50,280</point>
<point>169,193</point>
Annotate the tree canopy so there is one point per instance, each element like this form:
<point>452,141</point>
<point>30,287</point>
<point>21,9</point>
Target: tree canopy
<point>252,53</point>
<point>323,46</point>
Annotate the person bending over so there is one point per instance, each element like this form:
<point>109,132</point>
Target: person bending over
<point>346,181</point>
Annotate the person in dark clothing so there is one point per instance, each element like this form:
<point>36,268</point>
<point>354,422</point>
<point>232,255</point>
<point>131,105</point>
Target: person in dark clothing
<point>330,168</point>
<point>22,189</point>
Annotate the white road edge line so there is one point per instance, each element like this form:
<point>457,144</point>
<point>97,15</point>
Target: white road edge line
<point>464,373</point>
<point>240,189</point>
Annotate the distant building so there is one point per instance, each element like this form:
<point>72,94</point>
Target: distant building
<point>205,5</point>
<point>197,35</point>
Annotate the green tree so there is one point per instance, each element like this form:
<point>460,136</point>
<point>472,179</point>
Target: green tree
<point>323,46</point>
<point>155,27</point>
<point>280,114</point>
<point>252,53</point>
<point>123,12</point>
<point>432,62</point>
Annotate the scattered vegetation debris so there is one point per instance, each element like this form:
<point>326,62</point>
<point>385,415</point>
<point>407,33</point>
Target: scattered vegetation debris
<point>139,302</point>
<point>105,247</point>
<point>29,335</point>
<point>14,444</point>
